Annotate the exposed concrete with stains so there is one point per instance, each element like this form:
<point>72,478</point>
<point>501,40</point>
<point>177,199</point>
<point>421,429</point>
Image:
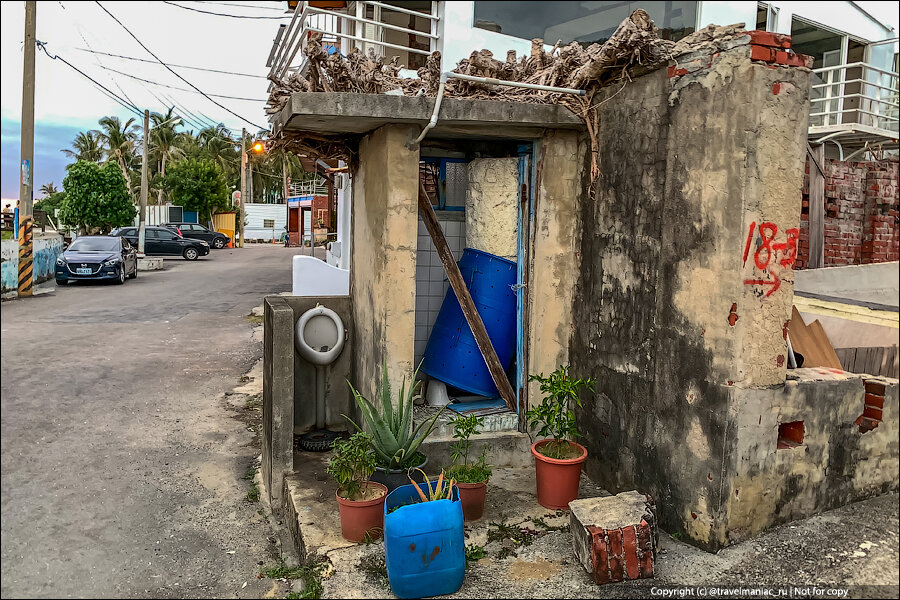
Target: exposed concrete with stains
<point>685,294</point>
<point>492,206</point>
<point>555,255</point>
<point>383,277</point>
<point>836,463</point>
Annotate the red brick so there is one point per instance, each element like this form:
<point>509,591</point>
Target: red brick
<point>646,565</point>
<point>762,53</point>
<point>873,387</point>
<point>615,542</point>
<point>599,556</point>
<point>631,552</point>
<point>874,400</point>
<point>872,413</point>
<point>766,38</point>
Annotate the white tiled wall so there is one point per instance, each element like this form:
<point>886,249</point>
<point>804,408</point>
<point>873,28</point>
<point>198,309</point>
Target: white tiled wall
<point>431,281</point>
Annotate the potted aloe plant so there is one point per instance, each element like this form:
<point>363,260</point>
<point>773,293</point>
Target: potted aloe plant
<point>558,458</point>
<point>395,441</point>
<point>361,502</point>
<point>471,478</point>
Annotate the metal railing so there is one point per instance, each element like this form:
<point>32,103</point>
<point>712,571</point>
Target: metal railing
<point>361,25</point>
<point>307,188</point>
<point>854,93</point>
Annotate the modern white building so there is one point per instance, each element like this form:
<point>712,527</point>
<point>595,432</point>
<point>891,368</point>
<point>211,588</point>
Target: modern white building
<point>854,93</point>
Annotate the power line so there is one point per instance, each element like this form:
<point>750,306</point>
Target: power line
<point>242,5</point>
<point>206,12</point>
<point>220,105</point>
<point>113,95</point>
<point>180,89</point>
<point>172,64</point>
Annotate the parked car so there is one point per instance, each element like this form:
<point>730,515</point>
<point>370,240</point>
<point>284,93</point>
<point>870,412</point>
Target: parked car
<point>162,241</point>
<point>199,232</point>
<point>94,257</point>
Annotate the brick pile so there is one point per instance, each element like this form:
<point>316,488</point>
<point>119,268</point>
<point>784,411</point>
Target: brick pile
<point>615,537</point>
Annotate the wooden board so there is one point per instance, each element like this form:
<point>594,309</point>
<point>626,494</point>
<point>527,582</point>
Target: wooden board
<point>465,300</point>
<point>882,360</point>
<point>812,342</point>
<point>816,207</point>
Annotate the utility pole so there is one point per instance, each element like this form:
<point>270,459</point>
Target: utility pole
<point>145,184</point>
<point>243,180</point>
<point>26,179</point>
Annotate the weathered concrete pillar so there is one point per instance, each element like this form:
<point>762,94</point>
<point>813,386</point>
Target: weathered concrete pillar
<point>383,271</point>
<point>278,397</point>
<point>492,206</point>
<point>556,256</point>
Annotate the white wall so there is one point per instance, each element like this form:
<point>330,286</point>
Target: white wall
<point>258,212</point>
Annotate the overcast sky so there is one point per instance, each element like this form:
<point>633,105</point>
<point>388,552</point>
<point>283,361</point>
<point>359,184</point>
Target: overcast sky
<point>66,102</point>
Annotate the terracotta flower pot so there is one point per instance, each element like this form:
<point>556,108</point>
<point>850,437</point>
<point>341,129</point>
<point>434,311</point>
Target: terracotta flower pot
<point>472,496</point>
<point>557,478</point>
<point>361,517</point>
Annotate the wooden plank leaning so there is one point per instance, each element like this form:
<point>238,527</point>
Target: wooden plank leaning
<point>465,300</point>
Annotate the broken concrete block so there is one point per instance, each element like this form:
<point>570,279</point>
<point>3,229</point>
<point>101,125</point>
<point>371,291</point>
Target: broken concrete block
<point>615,537</point>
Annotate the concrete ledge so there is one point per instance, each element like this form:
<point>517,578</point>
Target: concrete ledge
<point>149,264</point>
<point>505,449</point>
<point>342,113</point>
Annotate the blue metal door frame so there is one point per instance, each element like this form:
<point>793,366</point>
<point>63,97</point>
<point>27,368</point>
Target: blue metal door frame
<point>525,219</point>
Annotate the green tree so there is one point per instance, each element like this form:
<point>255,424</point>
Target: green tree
<point>87,145</point>
<point>97,197</point>
<point>164,144</point>
<point>120,141</point>
<point>50,202</point>
<point>197,184</point>
<point>48,189</point>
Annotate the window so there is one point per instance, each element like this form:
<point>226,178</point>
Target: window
<point>584,22</point>
<point>268,223</point>
<point>128,231</point>
<point>152,234</point>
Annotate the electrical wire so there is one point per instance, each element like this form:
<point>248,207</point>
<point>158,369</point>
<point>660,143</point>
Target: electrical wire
<point>113,95</point>
<point>242,5</point>
<point>180,89</point>
<point>219,104</point>
<point>206,12</point>
<point>172,64</point>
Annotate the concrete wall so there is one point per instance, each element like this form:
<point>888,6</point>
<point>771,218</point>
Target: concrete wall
<point>47,248</point>
<point>669,312</point>
<point>277,435</point>
<point>555,251</point>
<point>383,276</point>
<point>838,461</point>
<point>492,206</point>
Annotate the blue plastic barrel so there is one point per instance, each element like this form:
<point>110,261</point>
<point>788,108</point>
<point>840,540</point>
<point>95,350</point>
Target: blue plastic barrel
<point>452,355</point>
<point>424,543</point>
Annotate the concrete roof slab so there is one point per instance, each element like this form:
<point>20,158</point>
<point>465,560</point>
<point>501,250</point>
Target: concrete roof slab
<point>342,113</point>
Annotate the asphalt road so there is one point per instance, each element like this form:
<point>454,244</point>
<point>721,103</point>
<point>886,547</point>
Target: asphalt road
<point>123,463</point>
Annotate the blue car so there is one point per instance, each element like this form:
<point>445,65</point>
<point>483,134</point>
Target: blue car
<point>97,257</point>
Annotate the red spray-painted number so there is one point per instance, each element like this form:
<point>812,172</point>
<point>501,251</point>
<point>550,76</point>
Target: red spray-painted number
<point>767,253</point>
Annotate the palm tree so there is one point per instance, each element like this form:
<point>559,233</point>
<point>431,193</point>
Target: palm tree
<point>86,146</point>
<point>164,142</point>
<point>48,189</point>
<point>217,144</point>
<point>120,141</point>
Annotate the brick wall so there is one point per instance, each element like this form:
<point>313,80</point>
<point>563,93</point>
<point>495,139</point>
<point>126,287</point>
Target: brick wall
<point>860,214</point>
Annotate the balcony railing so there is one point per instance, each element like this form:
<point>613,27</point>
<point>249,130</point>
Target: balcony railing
<point>363,25</point>
<point>854,94</point>
<point>307,188</point>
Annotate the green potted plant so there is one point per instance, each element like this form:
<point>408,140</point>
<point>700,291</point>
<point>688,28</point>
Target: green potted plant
<point>394,439</point>
<point>471,478</point>
<point>361,502</point>
<point>558,458</point>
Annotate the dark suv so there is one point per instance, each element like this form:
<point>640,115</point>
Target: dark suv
<point>164,241</point>
<point>199,232</point>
